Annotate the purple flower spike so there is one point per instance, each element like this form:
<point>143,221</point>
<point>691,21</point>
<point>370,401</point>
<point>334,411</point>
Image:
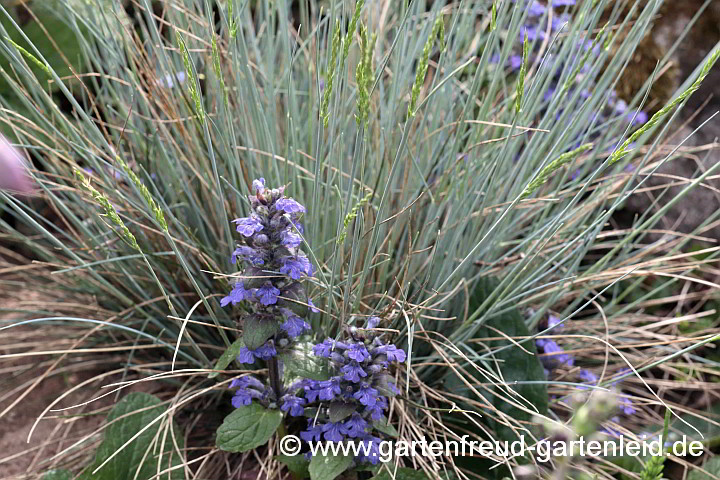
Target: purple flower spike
<point>563,3</point>
<point>288,205</point>
<point>267,294</point>
<point>270,237</point>
<point>247,226</point>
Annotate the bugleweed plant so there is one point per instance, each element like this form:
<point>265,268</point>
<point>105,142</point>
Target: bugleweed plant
<point>342,221</point>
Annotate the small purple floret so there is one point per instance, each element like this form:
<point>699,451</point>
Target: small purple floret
<point>247,226</point>
<point>366,395</point>
<point>296,267</point>
<point>295,326</point>
<point>355,426</point>
<point>358,352</point>
<point>265,352</point>
<point>393,353</point>
<point>267,294</point>
<point>293,405</point>
<point>333,432</point>
<point>353,372</point>
<point>258,185</point>
<point>288,205</point>
<point>237,295</point>
<point>245,356</point>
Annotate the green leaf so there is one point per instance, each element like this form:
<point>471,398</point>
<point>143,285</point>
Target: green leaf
<point>712,466</point>
<point>294,298</point>
<point>385,427</point>
<point>328,467</point>
<point>311,412</point>
<point>514,363</point>
<point>709,430</point>
<point>153,451</point>
<point>401,474</point>
<point>340,411</point>
<point>302,363</point>
<point>367,467</point>
<point>227,357</point>
<point>297,464</point>
<point>57,475</point>
<point>257,331</point>
<point>247,427</point>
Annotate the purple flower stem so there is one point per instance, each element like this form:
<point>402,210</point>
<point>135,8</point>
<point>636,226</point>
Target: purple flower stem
<point>274,374</point>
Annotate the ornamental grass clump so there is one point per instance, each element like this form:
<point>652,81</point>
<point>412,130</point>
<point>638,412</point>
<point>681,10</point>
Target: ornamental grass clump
<point>571,77</point>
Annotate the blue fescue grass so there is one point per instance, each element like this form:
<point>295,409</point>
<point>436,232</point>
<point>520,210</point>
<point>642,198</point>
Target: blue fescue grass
<point>432,168</point>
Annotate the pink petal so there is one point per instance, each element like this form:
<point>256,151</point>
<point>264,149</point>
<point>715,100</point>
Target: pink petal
<point>13,172</point>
